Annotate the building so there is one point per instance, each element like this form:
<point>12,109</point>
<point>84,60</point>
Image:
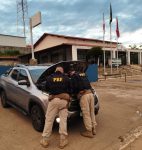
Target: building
<point>10,47</point>
<point>54,48</point>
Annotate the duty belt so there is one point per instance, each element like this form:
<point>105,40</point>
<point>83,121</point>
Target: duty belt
<point>63,96</point>
<point>83,92</point>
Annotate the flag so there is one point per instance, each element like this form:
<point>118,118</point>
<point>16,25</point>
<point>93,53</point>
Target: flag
<point>117,28</point>
<point>110,19</point>
<point>103,23</point>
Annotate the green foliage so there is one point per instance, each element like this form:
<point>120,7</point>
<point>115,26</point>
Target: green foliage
<point>9,53</point>
<point>134,46</point>
<point>140,47</point>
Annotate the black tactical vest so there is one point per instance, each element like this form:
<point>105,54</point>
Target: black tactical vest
<point>80,82</point>
<point>57,83</point>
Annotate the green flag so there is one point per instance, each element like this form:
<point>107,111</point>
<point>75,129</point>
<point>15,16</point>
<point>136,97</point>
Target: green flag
<point>110,19</point>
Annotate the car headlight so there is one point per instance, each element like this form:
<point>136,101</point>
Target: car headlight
<point>45,94</point>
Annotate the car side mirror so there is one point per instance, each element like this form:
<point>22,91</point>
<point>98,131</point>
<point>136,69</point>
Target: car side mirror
<point>7,72</point>
<point>24,82</point>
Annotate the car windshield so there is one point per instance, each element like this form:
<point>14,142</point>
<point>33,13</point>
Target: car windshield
<point>36,73</point>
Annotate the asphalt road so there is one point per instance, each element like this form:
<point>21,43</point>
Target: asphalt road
<point>120,107</point>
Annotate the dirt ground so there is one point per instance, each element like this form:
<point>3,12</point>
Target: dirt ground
<point>120,113</point>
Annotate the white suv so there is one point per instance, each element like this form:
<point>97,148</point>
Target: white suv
<point>19,88</point>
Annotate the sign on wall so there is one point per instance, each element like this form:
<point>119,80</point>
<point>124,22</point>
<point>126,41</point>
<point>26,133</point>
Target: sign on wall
<point>116,62</point>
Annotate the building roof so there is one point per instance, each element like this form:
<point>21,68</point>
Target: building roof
<point>12,35</point>
<point>87,45</point>
<point>54,47</point>
<point>12,41</point>
<point>68,37</point>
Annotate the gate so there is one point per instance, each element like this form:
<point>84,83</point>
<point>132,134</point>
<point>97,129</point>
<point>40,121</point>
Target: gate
<point>92,72</point>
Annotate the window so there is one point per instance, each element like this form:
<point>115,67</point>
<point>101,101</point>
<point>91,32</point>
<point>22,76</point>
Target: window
<point>14,74</point>
<point>81,54</point>
<point>23,75</point>
<point>36,73</point>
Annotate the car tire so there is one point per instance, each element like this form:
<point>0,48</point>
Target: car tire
<point>4,99</point>
<point>96,111</point>
<point>38,118</point>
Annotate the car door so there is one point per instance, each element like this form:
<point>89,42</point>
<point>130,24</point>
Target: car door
<point>23,91</point>
<point>11,87</point>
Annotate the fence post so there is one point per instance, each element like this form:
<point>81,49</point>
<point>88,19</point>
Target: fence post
<point>125,77</point>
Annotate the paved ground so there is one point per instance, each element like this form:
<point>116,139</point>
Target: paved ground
<point>120,113</point>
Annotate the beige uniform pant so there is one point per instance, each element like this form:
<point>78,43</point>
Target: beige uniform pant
<point>88,109</point>
<point>56,106</point>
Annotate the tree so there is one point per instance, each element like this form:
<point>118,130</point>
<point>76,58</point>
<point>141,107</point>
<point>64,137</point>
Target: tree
<point>135,47</point>
<point>140,47</point>
<point>10,53</point>
<point>94,53</point>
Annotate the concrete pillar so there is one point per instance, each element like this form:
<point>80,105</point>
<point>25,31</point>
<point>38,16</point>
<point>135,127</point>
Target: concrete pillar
<point>128,58</point>
<point>113,54</point>
<point>74,52</point>
<point>140,58</point>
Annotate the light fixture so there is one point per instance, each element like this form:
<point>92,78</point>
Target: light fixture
<point>58,120</point>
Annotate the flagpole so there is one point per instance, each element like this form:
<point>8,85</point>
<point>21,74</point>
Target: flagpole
<point>110,35</point>
<point>31,34</point>
<point>104,53</point>
<point>117,36</point>
<point>117,54</point>
<point>111,48</point>
<point>104,42</point>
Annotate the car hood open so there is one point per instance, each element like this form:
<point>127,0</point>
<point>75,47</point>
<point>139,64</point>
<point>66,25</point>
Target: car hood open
<point>79,66</point>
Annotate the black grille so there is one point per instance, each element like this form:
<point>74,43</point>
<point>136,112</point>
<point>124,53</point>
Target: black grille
<point>74,105</point>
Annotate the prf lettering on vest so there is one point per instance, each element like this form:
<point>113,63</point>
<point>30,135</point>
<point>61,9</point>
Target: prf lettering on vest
<point>82,74</point>
<point>57,79</point>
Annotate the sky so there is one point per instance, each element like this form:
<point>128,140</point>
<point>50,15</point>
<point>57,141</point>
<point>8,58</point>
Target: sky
<point>80,18</point>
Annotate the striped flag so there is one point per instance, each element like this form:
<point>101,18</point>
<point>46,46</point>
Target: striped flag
<point>103,24</point>
<point>110,19</point>
<point>117,28</point>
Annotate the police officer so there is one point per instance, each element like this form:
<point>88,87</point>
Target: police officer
<point>58,86</point>
<point>81,86</point>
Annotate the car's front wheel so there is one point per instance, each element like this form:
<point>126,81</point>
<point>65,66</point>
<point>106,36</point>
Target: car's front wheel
<point>4,99</point>
<point>38,118</point>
